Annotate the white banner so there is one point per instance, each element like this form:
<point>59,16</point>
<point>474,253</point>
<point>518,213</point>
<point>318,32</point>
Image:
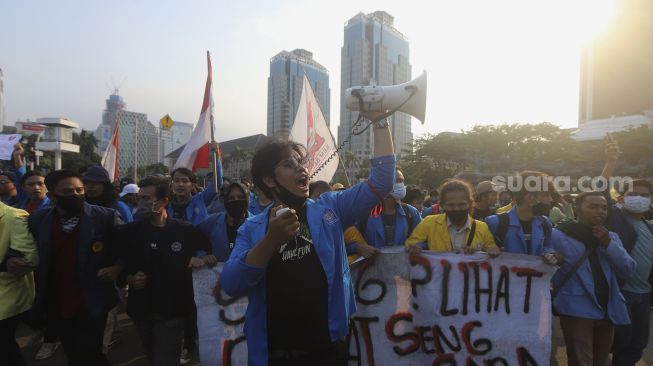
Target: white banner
<point>220,321</point>
<point>7,143</point>
<point>429,309</point>
<point>310,129</point>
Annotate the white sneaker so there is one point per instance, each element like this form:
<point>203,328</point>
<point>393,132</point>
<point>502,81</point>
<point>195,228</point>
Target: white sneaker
<point>46,351</point>
<point>185,356</point>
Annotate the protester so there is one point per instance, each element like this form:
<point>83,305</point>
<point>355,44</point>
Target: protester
<point>9,193</point>
<point>159,253</point>
<point>337,187</point>
<point>315,189</point>
<point>18,259</point>
<point>33,183</point>
<point>391,222</point>
<point>505,198</point>
<point>526,229</point>
<point>184,205</point>
<point>221,228</point>
<point>414,197</point>
<point>455,230</point>
<point>100,192</point>
<point>433,206</point>
<point>129,196</point>
<point>259,202</point>
<point>293,265</point>
<point>586,287</point>
<point>485,199</point>
<point>79,264</point>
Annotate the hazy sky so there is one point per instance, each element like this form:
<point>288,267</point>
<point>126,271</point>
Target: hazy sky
<point>487,61</point>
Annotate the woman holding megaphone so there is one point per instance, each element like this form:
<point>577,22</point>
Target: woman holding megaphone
<point>291,260</point>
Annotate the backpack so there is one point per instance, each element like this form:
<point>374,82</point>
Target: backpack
<point>362,227</point>
<point>504,222</point>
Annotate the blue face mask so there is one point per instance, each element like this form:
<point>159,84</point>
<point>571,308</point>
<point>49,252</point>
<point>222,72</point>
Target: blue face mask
<point>398,191</point>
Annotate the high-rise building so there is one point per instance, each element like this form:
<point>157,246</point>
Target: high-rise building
<point>287,71</point>
<point>374,51</point>
<point>2,105</point>
<point>616,77</point>
<point>174,138</point>
<point>138,139</point>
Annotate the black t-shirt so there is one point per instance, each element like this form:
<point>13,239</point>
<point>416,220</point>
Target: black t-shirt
<point>527,228</point>
<point>389,224</point>
<point>232,231</point>
<point>297,296</point>
<point>162,253</point>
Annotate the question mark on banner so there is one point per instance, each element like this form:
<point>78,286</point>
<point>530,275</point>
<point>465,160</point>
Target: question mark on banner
<point>418,260</point>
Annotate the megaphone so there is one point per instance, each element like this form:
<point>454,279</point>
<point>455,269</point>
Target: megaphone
<point>409,97</point>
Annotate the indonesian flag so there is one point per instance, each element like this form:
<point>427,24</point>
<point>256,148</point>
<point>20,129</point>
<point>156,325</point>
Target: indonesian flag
<point>110,157</point>
<point>196,152</point>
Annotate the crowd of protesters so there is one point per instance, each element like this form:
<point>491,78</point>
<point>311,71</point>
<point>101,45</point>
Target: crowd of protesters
<point>74,245</point>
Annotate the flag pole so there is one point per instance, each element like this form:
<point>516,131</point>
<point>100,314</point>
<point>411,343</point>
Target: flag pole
<point>215,153</point>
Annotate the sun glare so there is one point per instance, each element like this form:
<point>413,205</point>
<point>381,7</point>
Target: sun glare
<point>594,18</point>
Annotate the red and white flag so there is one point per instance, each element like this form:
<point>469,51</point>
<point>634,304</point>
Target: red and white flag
<point>110,157</point>
<point>310,129</point>
<point>196,152</point>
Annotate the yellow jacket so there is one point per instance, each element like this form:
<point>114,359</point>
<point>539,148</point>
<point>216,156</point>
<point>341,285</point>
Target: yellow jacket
<point>352,235</point>
<point>505,208</point>
<point>16,292</point>
<point>434,231</point>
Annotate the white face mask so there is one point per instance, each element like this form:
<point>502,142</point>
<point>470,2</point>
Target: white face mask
<point>637,204</point>
<point>398,191</point>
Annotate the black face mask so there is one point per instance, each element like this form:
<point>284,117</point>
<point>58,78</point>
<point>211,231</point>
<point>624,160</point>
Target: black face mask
<point>72,205</point>
<point>288,198</point>
<point>541,209</point>
<point>457,216</point>
<point>236,208</point>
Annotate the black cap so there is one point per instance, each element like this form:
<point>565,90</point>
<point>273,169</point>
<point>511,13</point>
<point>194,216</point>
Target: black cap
<point>96,174</point>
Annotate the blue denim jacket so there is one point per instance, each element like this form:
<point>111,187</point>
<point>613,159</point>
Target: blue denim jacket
<point>576,297</point>
<point>327,219</point>
<point>375,233</point>
<point>214,227</point>
<point>514,241</point>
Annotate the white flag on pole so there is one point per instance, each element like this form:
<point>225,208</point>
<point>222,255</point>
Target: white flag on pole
<point>310,129</point>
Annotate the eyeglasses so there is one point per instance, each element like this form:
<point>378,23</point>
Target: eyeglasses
<point>294,163</point>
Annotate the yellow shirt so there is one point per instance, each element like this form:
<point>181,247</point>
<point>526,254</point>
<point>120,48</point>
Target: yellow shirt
<point>435,232</point>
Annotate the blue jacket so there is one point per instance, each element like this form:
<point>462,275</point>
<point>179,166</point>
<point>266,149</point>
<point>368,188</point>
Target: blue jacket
<point>514,241</point>
<point>254,207</point>
<point>44,203</point>
<point>196,211</point>
<point>214,227</point>
<point>576,297</point>
<point>20,196</point>
<point>123,209</point>
<point>375,234</point>
<point>327,219</point>
<point>98,225</point>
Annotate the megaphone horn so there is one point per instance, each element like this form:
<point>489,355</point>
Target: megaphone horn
<point>409,98</point>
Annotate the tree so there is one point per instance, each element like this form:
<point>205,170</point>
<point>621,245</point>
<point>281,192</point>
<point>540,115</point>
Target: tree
<point>87,155</point>
<point>236,158</point>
